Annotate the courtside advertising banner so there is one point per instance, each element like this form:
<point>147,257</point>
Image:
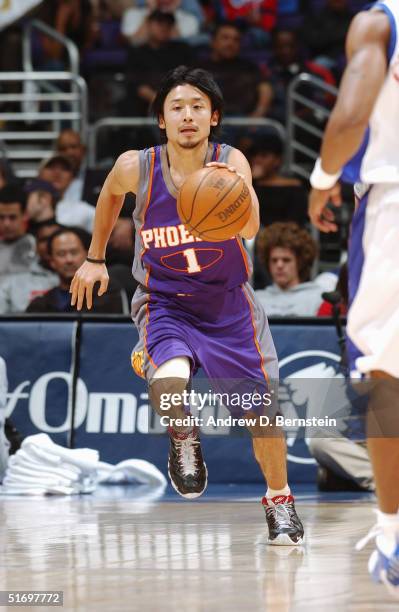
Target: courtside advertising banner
<point>111,409</point>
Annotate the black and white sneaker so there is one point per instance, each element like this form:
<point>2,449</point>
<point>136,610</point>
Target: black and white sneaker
<point>186,467</point>
<point>285,528</point>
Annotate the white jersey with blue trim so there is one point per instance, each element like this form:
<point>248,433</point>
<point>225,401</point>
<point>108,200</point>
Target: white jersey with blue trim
<point>377,160</point>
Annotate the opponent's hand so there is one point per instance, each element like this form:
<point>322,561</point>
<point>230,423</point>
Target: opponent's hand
<point>321,216</point>
<point>83,282</point>
<point>230,168</point>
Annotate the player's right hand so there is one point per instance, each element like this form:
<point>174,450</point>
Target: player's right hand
<point>321,216</point>
<point>82,283</point>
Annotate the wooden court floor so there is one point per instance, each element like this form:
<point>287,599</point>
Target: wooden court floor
<point>123,549</point>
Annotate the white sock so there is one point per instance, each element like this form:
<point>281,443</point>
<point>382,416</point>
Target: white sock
<point>270,493</point>
<point>389,538</point>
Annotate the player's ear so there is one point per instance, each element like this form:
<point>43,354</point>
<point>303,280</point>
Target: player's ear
<point>161,122</point>
<point>215,118</point>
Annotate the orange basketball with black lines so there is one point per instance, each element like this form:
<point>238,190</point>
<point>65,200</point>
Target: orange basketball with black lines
<point>214,204</point>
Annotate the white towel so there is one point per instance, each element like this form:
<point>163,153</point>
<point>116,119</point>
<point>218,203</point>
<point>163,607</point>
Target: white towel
<point>23,474</point>
<point>84,458</point>
<point>42,467</point>
<point>45,458</point>
<point>130,471</point>
<point>38,468</point>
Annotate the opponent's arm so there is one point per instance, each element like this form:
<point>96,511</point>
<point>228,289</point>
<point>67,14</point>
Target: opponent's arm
<point>123,178</point>
<point>366,48</point>
<point>238,163</point>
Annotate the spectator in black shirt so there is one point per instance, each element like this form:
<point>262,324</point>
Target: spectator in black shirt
<point>245,90</point>
<point>281,198</point>
<point>324,32</point>
<point>68,250</point>
<point>147,63</point>
<point>286,63</point>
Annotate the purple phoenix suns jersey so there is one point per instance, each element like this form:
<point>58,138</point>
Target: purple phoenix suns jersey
<point>168,259</point>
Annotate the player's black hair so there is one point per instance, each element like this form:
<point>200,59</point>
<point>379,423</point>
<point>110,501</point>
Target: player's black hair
<point>12,194</point>
<point>197,77</point>
<point>80,233</point>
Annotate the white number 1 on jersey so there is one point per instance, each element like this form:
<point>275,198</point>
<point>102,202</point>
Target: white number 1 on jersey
<point>192,261</point>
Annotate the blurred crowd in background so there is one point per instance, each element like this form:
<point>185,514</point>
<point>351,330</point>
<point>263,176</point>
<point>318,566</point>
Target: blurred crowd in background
<point>254,49</point>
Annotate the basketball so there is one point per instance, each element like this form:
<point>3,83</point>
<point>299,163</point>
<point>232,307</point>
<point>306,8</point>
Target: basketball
<point>214,204</point>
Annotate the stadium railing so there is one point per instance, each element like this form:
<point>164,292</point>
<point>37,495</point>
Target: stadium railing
<point>110,123</point>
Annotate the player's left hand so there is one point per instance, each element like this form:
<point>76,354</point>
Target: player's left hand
<point>321,216</point>
<point>230,168</point>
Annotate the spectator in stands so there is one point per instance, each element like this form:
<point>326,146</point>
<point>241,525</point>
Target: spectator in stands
<point>70,145</point>
<point>281,198</point>
<point>258,17</point>
<point>341,289</point>
<point>135,25</point>
<point>288,253</point>
<point>6,174</point>
<point>58,171</point>
<point>42,210</point>
<point>343,464</point>
<point>189,6</point>
<point>42,234</point>
<point>68,249</point>
<point>324,32</point>
<point>71,18</point>
<point>17,290</point>
<point>41,201</point>
<point>87,182</point>
<point>17,248</point>
<point>287,63</point>
<point>148,62</point>
<point>245,90</point>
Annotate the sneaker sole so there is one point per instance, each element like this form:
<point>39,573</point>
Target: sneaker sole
<point>284,540</point>
<point>189,495</point>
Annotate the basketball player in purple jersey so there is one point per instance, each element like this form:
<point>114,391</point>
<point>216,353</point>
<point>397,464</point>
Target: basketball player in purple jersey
<point>361,145</point>
<point>194,307</point>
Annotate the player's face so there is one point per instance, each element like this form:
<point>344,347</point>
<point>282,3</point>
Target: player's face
<point>67,255</point>
<point>12,222</point>
<point>188,116</point>
<point>283,267</point>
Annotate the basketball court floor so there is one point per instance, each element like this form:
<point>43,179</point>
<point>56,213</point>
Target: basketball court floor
<point>136,548</point>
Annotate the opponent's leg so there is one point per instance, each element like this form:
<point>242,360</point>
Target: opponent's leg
<point>187,470</point>
<point>373,327</point>
<point>384,449</point>
<point>384,455</point>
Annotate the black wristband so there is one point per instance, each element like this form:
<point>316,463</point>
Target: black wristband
<point>97,261</point>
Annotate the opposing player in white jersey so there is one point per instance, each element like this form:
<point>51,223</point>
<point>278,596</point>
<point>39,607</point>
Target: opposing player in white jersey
<point>361,144</point>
